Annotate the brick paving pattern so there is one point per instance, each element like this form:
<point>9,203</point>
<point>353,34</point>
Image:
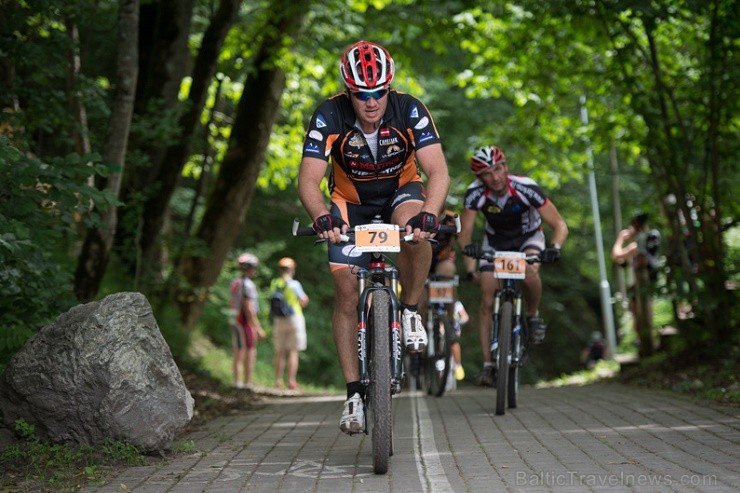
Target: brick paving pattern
<point>594,438</point>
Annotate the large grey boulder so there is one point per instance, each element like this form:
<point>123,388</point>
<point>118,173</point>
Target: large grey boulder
<point>101,370</point>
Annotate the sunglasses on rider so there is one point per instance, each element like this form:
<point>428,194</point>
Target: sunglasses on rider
<point>365,96</point>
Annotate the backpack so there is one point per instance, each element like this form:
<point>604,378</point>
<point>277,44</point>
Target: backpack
<point>279,306</point>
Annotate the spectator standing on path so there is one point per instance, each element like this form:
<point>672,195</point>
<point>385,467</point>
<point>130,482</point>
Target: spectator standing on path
<point>637,247</point>
<point>514,208</point>
<point>377,140</point>
<point>245,326</point>
<point>289,331</point>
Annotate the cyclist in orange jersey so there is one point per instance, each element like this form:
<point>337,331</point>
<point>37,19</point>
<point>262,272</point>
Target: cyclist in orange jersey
<point>376,139</point>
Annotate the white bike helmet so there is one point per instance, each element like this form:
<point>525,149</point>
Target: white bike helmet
<point>366,67</point>
<point>485,157</point>
<point>248,260</point>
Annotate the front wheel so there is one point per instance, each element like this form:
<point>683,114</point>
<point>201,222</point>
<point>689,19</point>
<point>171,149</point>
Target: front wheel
<point>505,325</point>
<point>438,363</point>
<point>513,386</point>
<point>379,389</point>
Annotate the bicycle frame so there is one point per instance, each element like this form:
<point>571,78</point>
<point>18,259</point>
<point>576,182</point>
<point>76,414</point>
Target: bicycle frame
<point>379,277</point>
<point>508,345</point>
<point>508,292</point>
<point>440,333</point>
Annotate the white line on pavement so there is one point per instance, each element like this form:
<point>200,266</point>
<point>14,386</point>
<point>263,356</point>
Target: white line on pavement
<point>431,473</point>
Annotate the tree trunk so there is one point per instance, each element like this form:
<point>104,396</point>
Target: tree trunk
<point>76,105</point>
<point>233,189</point>
<point>164,60</point>
<point>96,250</point>
<point>167,173</point>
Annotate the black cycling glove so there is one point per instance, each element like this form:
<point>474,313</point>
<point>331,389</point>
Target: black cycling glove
<point>550,254</point>
<point>473,250</point>
<point>327,222</point>
<point>425,221</point>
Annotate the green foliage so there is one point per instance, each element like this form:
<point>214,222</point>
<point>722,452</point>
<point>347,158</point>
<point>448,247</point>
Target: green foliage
<point>504,73</point>
<point>39,466</point>
<point>42,205</point>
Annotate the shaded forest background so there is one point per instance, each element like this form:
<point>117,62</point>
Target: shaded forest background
<point>145,144</point>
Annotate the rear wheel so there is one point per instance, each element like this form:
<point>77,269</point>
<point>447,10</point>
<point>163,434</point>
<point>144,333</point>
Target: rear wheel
<point>504,342</point>
<point>380,382</point>
<point>438,363</point>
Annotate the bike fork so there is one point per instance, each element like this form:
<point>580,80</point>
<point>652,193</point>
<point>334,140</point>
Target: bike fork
<point>494,329</point>
<point>395,323</point>
<point>516,334</point>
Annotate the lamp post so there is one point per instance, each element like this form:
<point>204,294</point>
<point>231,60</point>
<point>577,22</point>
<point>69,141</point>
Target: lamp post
<point>604,289</point>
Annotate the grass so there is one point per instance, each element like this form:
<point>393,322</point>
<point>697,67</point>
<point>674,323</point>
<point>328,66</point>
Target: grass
<point>35,466</point>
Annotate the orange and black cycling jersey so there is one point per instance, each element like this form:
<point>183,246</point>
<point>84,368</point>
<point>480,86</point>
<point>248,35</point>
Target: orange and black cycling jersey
<point>356,176</point>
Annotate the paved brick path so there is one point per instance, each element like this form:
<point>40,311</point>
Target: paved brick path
<point>600,438</point>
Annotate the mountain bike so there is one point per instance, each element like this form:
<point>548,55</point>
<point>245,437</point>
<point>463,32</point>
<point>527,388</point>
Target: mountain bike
<point>440,333</point>
<point>380,353</point>
<point>509,332</point>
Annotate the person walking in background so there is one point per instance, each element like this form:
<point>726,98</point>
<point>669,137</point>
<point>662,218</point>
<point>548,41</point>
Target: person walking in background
<point>637,247</point>
<point>514,208</point>
<point>378,140</point>
<point>289,325</point>
<point>245,325</point>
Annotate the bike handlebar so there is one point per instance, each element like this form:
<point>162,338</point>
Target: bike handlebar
<point>490,254</point>
<point>299,230</point>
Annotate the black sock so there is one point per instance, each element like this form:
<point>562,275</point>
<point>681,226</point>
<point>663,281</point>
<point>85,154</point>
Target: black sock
<point>412,308</point>
<point>355,388</point>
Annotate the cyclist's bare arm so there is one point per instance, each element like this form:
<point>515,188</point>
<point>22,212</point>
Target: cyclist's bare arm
<point>552,218</point>
<point>432,162</point>
<point>467,223</point>
<point>310,175</point>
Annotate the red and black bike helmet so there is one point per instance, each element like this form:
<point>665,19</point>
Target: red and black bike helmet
<point>366,66</point>
<point>485,157</point>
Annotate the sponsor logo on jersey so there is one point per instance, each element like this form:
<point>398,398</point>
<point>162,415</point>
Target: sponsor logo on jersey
<point>387,142</point>
<point>493,209</point>
<point>422,123</point>
<point>530,193</point>
<point>320,121</point>
<point>313,148</point>
<point>392,150</point>
<point>385,132</point>
<point>361,165</point>
<point>414,113</point>
<point>316,135</point>
<point>356,141</point>
<point>425,136</point>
